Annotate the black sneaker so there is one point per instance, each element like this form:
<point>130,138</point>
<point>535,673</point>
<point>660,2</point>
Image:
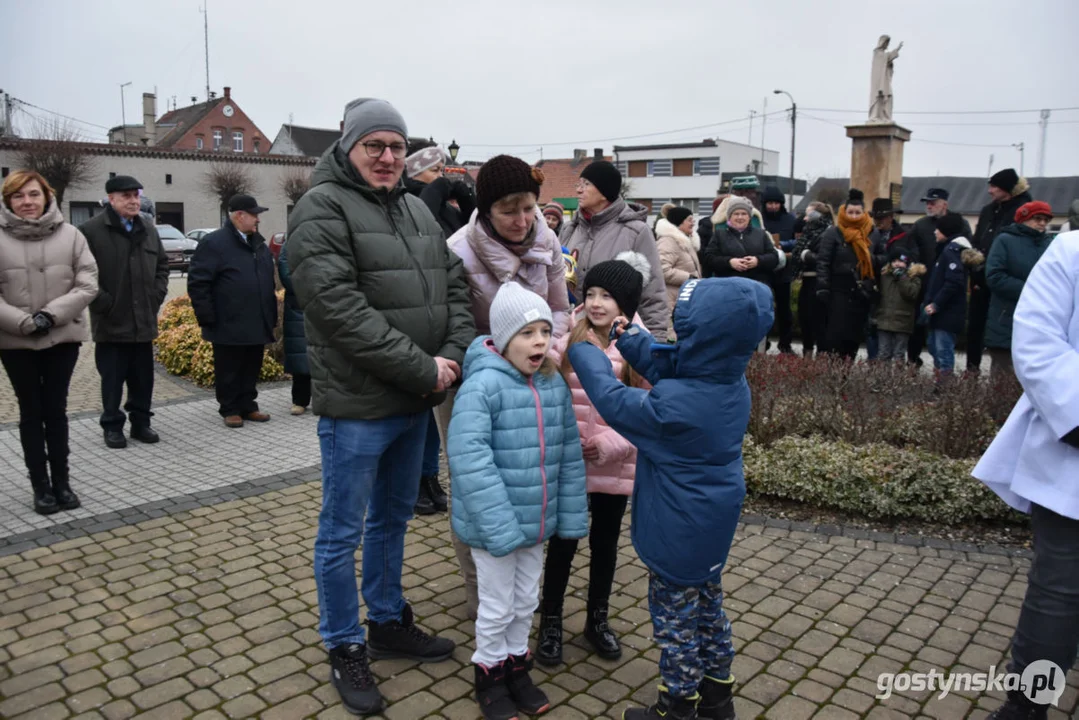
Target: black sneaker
<point>529,699</point>
<point>351,674</point>
<point>1019,707</point>
<point>492,693</point>
<point>404,639</point>
<point>144,434</point>
<point>424,504</point>
<point>115,439</point>
<point>549,639</point>
<point>717,699</point>
<point>666,708</point>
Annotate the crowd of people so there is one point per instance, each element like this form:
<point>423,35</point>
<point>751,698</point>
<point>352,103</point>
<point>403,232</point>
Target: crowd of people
<point>565,365</point>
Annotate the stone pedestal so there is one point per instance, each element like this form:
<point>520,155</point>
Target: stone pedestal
<point>876,160</point>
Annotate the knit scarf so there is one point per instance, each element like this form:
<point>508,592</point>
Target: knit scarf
<point>856,233</point>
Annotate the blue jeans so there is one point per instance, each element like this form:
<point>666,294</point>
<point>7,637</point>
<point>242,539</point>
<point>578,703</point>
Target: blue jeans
<point>369,468</point>
<point>433,448</point>
<point>942,347</point>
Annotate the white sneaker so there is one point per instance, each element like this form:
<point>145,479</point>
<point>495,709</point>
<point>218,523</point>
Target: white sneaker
<point>298,410</point>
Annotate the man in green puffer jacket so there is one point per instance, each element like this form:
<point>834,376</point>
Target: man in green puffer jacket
<point>387,319</point>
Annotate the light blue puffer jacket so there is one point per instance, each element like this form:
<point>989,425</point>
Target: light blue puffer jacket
<point>515,457</point>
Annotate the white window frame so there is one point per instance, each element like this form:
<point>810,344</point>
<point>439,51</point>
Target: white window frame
<point>198,143</point>
<point>219,137</point>
<point>237,141</point>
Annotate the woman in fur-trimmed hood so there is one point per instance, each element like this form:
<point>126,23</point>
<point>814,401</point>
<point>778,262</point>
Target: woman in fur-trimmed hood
<point>679,248</point>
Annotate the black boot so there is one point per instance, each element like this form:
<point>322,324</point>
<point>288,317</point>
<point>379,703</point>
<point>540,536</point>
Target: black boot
<point>717,699</point>
<point>61,488</point>
<point>1019,707</point>
<point>115,439</point>
<point>44,500</point>
<point>529,699</point>
<point>549,638</point>
<point>424,504</point>
<point>666,708</point>
<point>598,632</point>
<point>350,673</point>
<point>404,639</point>
<point>492,693</point>
<point>435,492</point>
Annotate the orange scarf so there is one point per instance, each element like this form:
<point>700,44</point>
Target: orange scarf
<point>856,233</point>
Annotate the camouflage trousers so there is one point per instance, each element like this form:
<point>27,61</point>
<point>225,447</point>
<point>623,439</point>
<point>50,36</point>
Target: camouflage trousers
<point>693,634</point>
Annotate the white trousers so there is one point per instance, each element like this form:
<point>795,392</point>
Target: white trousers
<point>509,595</point>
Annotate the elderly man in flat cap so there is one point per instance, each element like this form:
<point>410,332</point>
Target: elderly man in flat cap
<point>133,275</point>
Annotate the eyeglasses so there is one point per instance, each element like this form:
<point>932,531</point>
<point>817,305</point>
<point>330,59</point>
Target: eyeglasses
<point>375,148</point>
<point>582,184</point>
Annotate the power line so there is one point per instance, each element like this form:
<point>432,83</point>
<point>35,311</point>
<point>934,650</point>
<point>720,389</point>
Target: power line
<point>914,139</point>
<point>949,112</point>
<point>66,117</point>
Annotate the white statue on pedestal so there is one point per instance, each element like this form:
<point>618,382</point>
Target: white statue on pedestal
<point>880,82</point>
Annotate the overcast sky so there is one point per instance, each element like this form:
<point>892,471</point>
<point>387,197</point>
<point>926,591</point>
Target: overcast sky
<point>509,76</point>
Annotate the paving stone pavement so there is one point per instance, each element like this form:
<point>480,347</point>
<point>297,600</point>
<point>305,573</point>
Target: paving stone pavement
<point>211,613</point>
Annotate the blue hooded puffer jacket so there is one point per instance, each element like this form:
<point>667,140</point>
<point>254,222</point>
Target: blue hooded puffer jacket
<point>689,428</point>
<point>515,456</point>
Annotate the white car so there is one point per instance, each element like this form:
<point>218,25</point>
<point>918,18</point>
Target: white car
<point>197,235</point>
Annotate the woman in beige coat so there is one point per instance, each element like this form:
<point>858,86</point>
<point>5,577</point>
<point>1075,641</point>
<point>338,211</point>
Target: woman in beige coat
<point>47,279</point>
<point>679,246</point>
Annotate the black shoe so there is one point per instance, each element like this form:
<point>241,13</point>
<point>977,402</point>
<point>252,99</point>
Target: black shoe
<point>144,435</point>
<point>666,708</point>
<point>529,699</point>
<point>1019,707</point>
<point>599,633</point>
<point>717,699</point>
<point>115,439</point>
<point>44,500</point>
<point>549,639</point>
<point>492,693</point>
<point>435,492</point>
<point>424,505</point>
<point>404,639</point>
<point>61,488</point>
<point>350,673</point>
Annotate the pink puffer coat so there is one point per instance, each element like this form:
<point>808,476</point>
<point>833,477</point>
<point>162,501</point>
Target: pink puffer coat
<point>614,471</point>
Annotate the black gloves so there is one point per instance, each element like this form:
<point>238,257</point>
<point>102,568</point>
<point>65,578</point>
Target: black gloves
<point>43,322</point>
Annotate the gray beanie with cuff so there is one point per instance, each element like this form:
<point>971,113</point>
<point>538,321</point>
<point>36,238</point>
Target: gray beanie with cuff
<point>514,308</point>
<point>364,116</point>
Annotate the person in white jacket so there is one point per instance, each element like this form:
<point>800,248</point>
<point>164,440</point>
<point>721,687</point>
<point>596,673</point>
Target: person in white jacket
<point>1033,465</point>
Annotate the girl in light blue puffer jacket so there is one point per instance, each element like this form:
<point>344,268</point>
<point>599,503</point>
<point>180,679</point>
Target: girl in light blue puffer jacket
<point>518,477</point>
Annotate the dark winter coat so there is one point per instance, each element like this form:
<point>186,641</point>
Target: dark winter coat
<point>782,224</point>
<point>704,232</point>
<point>437,195</point>
<point>898,308</point>
<point>231,286</point>
<point>837,265</point>
<point>728,243</point>
<point>133,278</point>
<point>947,288</point>
<point>381,293</point>
<point>804,258</point>
<point>292,324</point>
<point>997,216</point>
<point>1015,253</point>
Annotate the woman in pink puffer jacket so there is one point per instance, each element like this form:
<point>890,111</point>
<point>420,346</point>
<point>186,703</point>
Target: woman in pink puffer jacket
<point>612,292</point>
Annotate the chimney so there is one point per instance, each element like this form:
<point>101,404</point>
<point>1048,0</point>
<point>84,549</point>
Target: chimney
<point>149,117</point>
<point>579,155</point>
<point>342,128</point>
<point>228,92</point>
<point>597,154</point>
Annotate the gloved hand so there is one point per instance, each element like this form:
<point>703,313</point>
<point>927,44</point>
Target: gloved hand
<point>43,322</point>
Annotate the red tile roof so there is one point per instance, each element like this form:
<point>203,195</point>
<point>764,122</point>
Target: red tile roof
<point>561,177</point>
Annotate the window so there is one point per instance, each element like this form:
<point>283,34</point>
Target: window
<point>706,166</point>
<point>83,211</point>
<point>659,168</point>
<point>237,142</point>
<point>623,167</point>
<point>638,168</point>
<point>217,139</point>
<point>683,168</point>
<point>168,179</point>
<point>688,203</point>
<point>198,142</point>
<point>4,172</point>
<point>256,145</point>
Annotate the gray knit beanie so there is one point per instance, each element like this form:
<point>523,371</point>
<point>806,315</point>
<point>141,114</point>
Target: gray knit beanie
<point>364,116</point>
<point>512,309</point>
<point>739,203</point>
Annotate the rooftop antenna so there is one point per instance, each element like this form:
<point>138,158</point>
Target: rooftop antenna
<point>206,42</point>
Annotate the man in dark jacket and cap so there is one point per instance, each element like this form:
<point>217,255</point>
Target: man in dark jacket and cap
<point>780,225</point>
<point>1009,192</point>
<point>388,319</point>
<point>133,277</point>
<point>231,286</point>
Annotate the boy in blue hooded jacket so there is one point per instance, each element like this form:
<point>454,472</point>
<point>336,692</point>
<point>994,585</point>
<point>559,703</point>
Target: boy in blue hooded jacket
<point>688,495</point>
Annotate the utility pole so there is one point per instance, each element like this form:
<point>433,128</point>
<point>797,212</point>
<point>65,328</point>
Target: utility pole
<point>8,130</point>
<point>764,124</point>
<point>794,120</point>
<point>206,42</point>
<point>1041,150</point>
<point>123,111</point>
<point>751,114</point>
<point>990,173</point>
<point>1022,156</point>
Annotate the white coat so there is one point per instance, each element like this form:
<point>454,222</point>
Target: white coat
<point>1027,462</point>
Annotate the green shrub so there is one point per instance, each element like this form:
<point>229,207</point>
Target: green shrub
<point>182,351</point>
<point>878,481</point>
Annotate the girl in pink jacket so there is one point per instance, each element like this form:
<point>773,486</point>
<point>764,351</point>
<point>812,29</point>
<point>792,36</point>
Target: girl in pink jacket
<point>611,291</point>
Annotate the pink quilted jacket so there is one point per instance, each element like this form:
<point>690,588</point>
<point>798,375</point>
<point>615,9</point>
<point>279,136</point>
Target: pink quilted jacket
<point>613,472</point>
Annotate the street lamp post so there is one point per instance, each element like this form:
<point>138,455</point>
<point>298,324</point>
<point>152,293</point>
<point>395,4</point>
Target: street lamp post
<point>123,111</point>
<point>794,119</point>
<point>454,149</point>
<point>1021,147</point>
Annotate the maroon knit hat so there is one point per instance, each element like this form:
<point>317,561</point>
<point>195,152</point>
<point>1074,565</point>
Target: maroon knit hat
<point>505,175</point>
<point>1032,208</point>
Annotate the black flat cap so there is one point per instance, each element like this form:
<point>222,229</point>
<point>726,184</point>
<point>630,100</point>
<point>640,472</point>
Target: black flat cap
<point>122,183</point>
<point>935,194</point>
<point>246,203</point>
